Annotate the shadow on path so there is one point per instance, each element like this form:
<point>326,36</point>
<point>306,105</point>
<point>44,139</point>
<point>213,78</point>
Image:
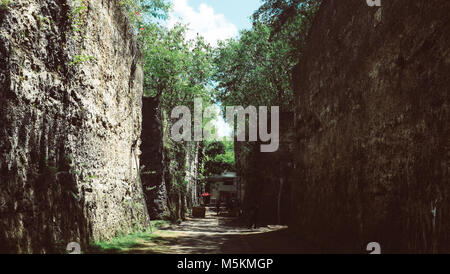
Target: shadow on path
<point>218,235</point>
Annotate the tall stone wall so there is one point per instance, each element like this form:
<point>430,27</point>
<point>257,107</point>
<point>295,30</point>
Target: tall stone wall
<point>170,170</point>
<point>181,171</point>
<point>265,179</point>
<point>372,96</point>
<point>70,112</point>
<point>152,168</point>
<point>194,188</point>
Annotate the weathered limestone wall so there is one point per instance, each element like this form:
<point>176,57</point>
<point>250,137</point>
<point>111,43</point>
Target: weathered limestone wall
<point>170,170</point>
<point>265,179</point>
<point>181,165</point>
<point>152,167</point>
<point>70,112</point>
<point>372,95</point>
<point>192,175</point>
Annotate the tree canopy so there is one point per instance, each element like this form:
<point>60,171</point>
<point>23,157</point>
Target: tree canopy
<point>253,69</point>
<point>218,158</point>
<point>256,69</point>
<point>177,70</point>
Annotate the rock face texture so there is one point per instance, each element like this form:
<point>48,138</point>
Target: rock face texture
<point>170,170</point>
<point>192,165</point>
<point>181,165</point>
<point>265,179</point>
<point>181,173</point>
<point>152,167</point>
<point>372,121</point>
<point>70,112</point>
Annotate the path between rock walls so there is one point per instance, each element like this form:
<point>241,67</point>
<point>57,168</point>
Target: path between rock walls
<point>219,235</point>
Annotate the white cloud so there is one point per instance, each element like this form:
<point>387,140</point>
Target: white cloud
<point>204,21</point>
<point>222,127</point>
<point>213,27</point>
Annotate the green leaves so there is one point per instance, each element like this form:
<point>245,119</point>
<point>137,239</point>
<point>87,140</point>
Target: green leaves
<point>142,12</point>
<point>256,69</point>
<point>77,15</point>
<point>80,59</point>
<point>5,4</point>
<point>219,157</point>
<point>176,69</point>
<point>281,13</point>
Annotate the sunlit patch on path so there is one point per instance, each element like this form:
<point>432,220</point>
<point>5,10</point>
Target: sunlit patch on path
<point>214,235</point>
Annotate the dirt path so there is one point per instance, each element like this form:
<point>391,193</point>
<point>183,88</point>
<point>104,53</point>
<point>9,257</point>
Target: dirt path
<point>218,235</point>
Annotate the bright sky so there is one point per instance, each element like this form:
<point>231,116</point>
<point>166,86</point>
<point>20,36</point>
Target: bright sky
<point>215,20</point>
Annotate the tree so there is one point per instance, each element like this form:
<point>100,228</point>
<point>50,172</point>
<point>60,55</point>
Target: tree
<point>218,158</point>
<point>256,69</point>
<point>176,70</point>
<point>144,12</point>
<point>280,13</point>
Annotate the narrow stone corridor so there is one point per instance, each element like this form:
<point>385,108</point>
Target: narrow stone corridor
<point>218,235</point>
